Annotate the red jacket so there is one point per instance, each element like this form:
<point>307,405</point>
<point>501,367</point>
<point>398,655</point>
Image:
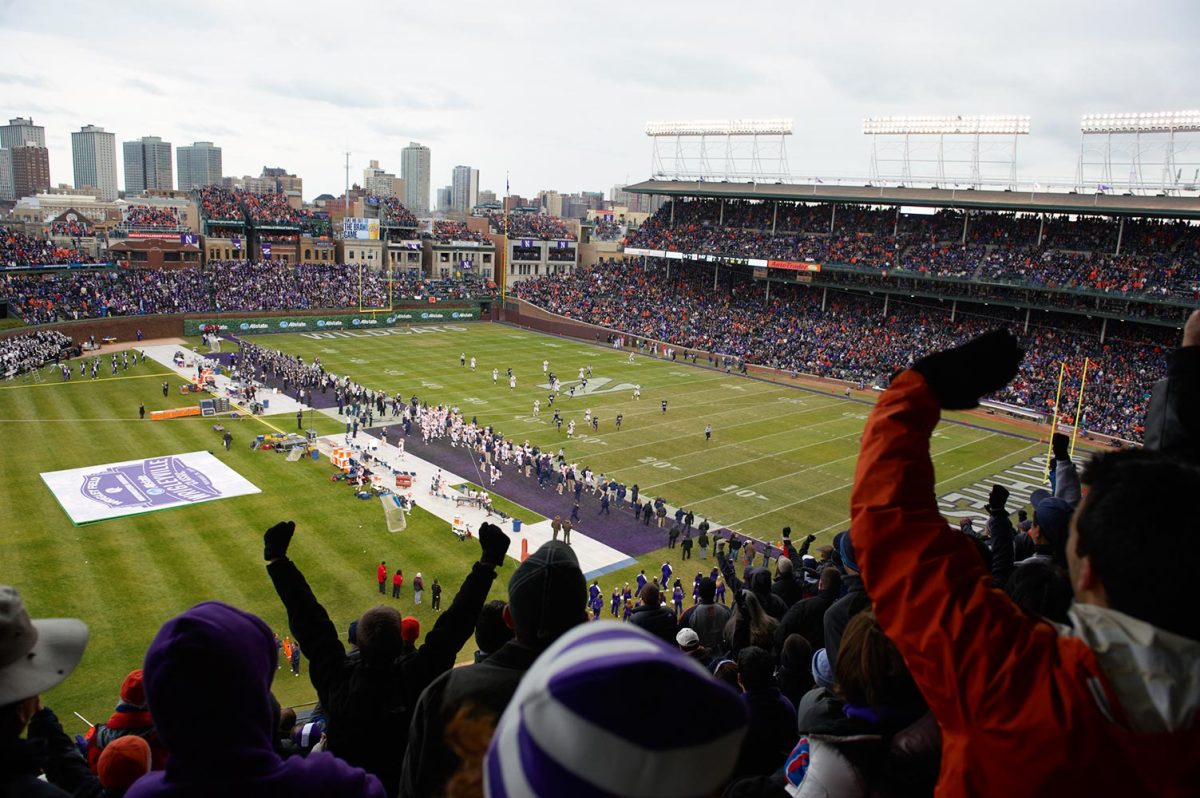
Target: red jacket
<point>381,574</point>
<point>1025,708</point>
<point>398,579</point>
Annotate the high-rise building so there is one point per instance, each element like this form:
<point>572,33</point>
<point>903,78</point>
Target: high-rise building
<point>382,183</point>
<point>414,168</point>
<point>487,196</point>
<point>147,165</point>
<point>445,199</point>
<point>199,165</point>
<point>30,170</point>
<point>94,156</point>
<point>464,189</point>
<point>6,184</point>
<point>21,132</point>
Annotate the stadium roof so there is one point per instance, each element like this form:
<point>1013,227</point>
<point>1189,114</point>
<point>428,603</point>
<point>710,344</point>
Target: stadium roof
<point>1026,201</point>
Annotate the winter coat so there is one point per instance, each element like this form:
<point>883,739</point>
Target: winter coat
<point>771,735</point>
<point>1115,699</point>
<point>658,621</point>
<point>1173,418</point>
<point>368,702</point>
<point>213,656</point>
<point>806,618</point>
<point>708,622</point>
<point>838,616</point>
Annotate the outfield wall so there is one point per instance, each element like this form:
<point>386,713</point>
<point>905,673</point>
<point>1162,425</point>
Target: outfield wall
<point>124,328</point>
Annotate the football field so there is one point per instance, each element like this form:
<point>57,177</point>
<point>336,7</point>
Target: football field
<point>779,455</point>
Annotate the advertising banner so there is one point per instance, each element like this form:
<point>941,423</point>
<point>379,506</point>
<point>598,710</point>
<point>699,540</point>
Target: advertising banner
<point>357,228</point>
<point>116,490</point>
<point>334,321</point>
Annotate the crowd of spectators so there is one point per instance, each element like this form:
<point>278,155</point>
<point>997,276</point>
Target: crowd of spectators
<point>220,204</point>
<point>393,211</point>
<point>607,229</point>
<point>79,228</point>
<point>1155,259</point>
<point>21,250</point>
<point>22,353</point>
<point>45,297</point>
<point>524,224</point>
<point>150,216</point>
<point>851,338</point>
<point>445,231</point>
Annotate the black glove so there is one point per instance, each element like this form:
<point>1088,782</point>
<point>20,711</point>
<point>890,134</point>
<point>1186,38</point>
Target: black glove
<point>959,376</point>
<point>810,538</point>
<point>787,533</point>
<point>1061,444</point>
<point>998,498</point>
<point>494,544</point>
<point>276,540</point>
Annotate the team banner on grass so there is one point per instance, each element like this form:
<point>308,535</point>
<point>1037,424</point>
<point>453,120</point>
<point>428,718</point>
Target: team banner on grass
<point>344,321</point>
<point>115,490</point>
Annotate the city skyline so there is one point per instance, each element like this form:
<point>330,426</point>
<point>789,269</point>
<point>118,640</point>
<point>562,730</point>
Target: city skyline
<point>823,67</point>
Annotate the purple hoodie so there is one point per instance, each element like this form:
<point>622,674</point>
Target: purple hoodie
<point>208,680</point>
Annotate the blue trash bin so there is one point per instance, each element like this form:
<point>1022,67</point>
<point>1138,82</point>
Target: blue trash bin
<point>516,524</point>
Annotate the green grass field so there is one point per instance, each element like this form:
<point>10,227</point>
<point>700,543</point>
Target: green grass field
<point>779,456</point>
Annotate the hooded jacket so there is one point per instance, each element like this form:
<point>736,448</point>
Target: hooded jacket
<point>758,582</point>
<point>208,680</point>
<point>1115,701</point>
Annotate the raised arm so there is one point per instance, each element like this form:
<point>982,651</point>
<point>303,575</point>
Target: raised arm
<point>931,591</point>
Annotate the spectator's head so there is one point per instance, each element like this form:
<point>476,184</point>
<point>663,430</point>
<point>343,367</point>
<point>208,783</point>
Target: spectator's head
<point>212,655</point>
<point>1144,496</point>
<point>708,590</point>
<point>845,552</point>
<point>1051,524</point>
<point>306,735</point>
<point>34,656</point>
<point>688,641</point>
<point>379,633</point>
<point>287,719</point>
<point>726,672</point>
<point>410,629</point>
<point>1042,589</point>
<point>122,762</point>
<point>797,652</point>
<point>491,627</point>
<point>830,579</point>
<point>869,670</point>
<point>756,669</point>
<point>650,595</point>
<point>576,701</point>
<point>822,673</point>
<point>783,568</point>
<point>352,633</point>
<point>133,693</point>
<point>547,594</point>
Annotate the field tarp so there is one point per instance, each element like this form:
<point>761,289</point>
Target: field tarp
<point>251,325</point>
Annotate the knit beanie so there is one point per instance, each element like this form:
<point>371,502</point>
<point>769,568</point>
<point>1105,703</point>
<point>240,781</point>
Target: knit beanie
<point>410,629</point>
<point>547,593</point>
<point>123,761</point>
<point>567,731</point>
<point>133,694</point>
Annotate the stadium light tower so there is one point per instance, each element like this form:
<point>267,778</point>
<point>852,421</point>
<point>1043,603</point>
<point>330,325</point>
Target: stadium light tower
<point>728,149</point>
<point>1136,140</point>
<point>935,141</point>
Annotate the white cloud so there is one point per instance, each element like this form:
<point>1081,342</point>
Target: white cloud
<point>556,93</point>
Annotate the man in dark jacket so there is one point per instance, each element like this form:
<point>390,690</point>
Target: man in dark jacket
<point>807,617</point>
<point>707,618</point>
<point>653,617</point>
<point>217,656</point>
<point>772,717</point>
<point>368,699</point>
<point>36,656</point>
<point>853,601</point>
<point>1173,417</point>
<point>546,599</point>
<point>1001,535</point>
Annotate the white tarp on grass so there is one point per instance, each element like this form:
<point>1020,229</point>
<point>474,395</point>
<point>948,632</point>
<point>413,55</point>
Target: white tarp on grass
<point>115,490</point>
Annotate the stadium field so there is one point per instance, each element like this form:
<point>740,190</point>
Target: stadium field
<point>779,456</point>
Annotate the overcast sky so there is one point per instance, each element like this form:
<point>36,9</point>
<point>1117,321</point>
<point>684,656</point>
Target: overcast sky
<point>557,93</point>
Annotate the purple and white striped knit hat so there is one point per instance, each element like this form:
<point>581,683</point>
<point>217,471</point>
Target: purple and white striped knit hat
<point>578,726</point>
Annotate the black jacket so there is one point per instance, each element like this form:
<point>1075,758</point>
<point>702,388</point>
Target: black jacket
<point>772,733</point>
<point>1173,418</point>
<point>838,616</point>
<point>658,621</point>
<point>708,622</point>
<point>759,584</point>
<point>488,686</point>
<point>47,750</point>
<point>1002,534</point>
<point>806,618</point>
<point>368,703</point>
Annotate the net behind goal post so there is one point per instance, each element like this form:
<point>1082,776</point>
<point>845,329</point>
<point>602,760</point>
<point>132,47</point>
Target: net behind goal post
<point>393,513</point>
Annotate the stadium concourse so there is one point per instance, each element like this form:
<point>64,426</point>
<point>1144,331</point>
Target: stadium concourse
<point>446,502</point>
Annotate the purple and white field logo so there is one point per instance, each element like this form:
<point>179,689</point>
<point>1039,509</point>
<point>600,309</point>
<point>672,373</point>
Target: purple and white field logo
<point>96,493</point>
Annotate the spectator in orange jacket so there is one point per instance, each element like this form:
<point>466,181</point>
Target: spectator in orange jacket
<point>132,717</point>
<point>1107,706</point>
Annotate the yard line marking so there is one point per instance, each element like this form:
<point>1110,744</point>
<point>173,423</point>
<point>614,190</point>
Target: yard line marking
<point>77,381</point>
<point>851,482</point>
